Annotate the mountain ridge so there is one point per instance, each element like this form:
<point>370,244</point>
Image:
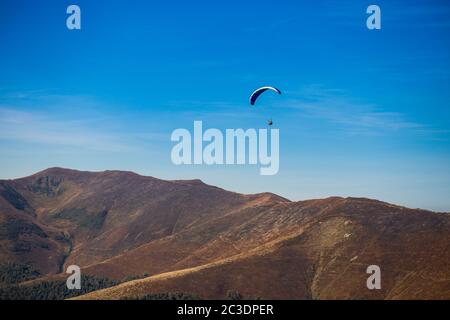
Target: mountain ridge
<point>118,224</point>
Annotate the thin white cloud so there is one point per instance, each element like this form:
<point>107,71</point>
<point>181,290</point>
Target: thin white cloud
<point>353,117</point>
<point>73,121</point>
<point>33,127</point>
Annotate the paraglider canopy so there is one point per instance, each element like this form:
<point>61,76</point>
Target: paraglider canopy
<point>259,91</point>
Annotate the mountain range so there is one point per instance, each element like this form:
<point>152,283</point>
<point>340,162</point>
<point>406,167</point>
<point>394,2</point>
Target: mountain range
<point>187,236</point>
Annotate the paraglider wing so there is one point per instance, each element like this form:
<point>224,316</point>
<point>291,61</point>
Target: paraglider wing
<point>259,91</point>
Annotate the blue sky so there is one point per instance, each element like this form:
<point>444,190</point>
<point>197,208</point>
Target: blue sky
<point>363,113</point>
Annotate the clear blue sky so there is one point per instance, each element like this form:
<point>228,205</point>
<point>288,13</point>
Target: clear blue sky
<point>363,113</point>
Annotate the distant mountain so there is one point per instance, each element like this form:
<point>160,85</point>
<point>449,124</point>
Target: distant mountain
<point>187,236</point>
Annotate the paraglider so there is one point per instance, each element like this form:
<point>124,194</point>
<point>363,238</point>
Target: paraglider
<point>255,95</point>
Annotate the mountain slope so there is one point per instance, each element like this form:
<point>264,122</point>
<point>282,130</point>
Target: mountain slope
<point>90,217</point>
<point>326,259</point>
<point>192,237</point>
